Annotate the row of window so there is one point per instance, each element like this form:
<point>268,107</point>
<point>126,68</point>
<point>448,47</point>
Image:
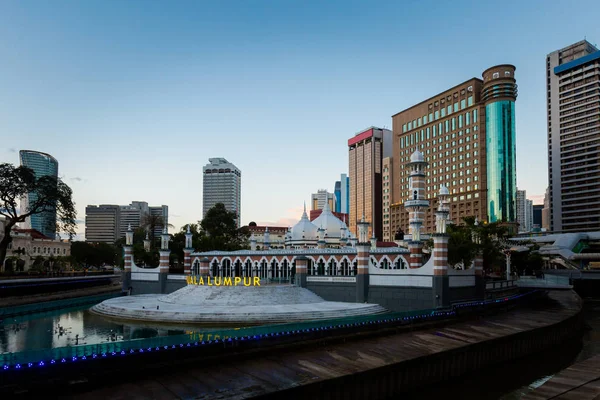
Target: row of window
<point>434,116</point>
<point>440,129</point>
<point>43,250</point>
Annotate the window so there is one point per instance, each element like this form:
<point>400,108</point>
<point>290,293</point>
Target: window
<point>424,119</point>
<point>403,128</point>
<point>475,116</point>
<point>469,100</point>
<point>430,117</point>
<point>418,122</point>
<point>463,104</point>
<point>437,114</point>
<point>460,121</point>
<point>496,75</point>
<point>453,123</point>
<point>455,107</point>
<point>443,112</point>
<point>447,126</point>
<point>468,118</point>
<point>506,73</point>
<point>409,126</point>
<point>449,109</point>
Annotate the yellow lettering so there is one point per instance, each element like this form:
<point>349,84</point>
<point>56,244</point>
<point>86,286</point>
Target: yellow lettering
<point>188,280</point>
<point>195,280</point>
<point>237,280</point>
<point>209,284</point>
<point>217,337</point>
<point>208,336</point>
<point>201,281</point>
<point>249,281</point>
<point>256,281</point>
<point>217,281</point>
<point>227,281</point>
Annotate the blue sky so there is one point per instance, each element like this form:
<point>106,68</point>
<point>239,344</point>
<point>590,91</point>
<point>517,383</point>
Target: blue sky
<point>133,97</point>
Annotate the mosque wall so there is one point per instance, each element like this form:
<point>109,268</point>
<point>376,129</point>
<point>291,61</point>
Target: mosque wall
<point>398,299</point>
<point>344,292</point>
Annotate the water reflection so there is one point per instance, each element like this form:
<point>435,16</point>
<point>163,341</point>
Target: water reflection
<point>73,327</point>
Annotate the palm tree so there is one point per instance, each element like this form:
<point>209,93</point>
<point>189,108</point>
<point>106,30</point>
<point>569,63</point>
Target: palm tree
<point>150,222</point>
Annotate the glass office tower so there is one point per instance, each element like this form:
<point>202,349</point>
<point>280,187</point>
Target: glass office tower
<point>42,164</point>
<point>499,94</point>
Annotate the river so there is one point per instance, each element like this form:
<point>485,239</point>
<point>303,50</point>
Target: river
<point>509,381</point>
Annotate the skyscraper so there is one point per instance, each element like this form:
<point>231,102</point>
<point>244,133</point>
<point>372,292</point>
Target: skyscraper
<point>366,151</point>
<point>345,194</point>
<point>102,223</point>
<point>222,183</point>
<point>337,194</point>
<point>317,200</point>
<point>467,134</point>
<point>524,212</point>
<point>573,94</point>
<point>42,164</point>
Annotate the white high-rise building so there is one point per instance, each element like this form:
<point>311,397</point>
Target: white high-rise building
<point>319,199</point>
<point>524,212</point>
<point>573,79</point>
<point>222,183</point>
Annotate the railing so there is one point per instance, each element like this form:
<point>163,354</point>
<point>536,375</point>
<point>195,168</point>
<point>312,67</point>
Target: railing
<point>498,285</point>
<point>40,358</point>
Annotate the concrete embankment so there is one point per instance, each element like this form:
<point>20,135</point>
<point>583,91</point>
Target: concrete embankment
<point>375,367</point>
<point>15,301</point>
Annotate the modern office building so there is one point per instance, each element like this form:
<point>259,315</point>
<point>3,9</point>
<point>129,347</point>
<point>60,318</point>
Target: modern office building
<point>573,94</point>
<point>366,151</point>
<point>222,183</point>
<point>524,212</point>
<point>546,211</point>
<point>102,223</point>
<point>341,192</point>
<point>317,200</point>
<point>387,179</point>
<point>453,130</point>
<point>537,215</point>
<point>108,223</point>
<point>42,164</point>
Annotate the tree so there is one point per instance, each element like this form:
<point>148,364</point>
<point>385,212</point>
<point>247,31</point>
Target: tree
<point>150,222</point>
<point>51,195</point>
<point>221,231</point>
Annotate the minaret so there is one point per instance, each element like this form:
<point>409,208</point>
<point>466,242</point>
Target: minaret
<point>128,260</point>
<point>187,253</point>
<point>416,206</point>
<point>440,250</point>
<point>163,266</point>
<point>252,242</point>
<point>267,239</point>
<point>441,215</point>
<point>373,242</point>
<point>343,238</point>
<point>362,262</point>
<point>147,242</point>
<point>321,241</point>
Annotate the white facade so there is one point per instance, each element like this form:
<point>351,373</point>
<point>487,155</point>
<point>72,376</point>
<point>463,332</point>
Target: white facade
<point>319,199</point>
<point>524,212</point>
<point>222,183</point>
<point>573,76</point>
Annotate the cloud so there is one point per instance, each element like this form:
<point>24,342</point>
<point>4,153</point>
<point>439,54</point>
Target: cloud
<point>537,198</point>
<point>12,150</point>
<point>77,179</point>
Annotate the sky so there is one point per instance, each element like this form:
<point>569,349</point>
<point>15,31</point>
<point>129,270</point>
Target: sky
<point>133,97</point>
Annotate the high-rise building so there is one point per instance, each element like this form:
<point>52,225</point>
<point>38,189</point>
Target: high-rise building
<point>524,212</point>
<point>366,151</point>
<point>341,192</point>
<point>163,213</point>
<point>128,216</point>
<point>42,164</point>
<point>537,215</point>
<point>573,94</point>
<point>387,182</point>
<point>546,211</point>
<point>317,200</point>
<point>467,135</point>
<point>102,223</point>
<point>222,183</point>
<point>337,194</point>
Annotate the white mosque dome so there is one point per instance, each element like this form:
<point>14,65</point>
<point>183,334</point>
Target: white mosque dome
<point>329,222</point>
<point>444,190</point>
<point>417,156</point>
<point>304,229</point>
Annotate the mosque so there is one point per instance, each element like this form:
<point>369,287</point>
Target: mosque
<point>323,257</point>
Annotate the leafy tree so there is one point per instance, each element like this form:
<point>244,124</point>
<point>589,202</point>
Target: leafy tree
<point>150,223</point>
<point>52,194</point>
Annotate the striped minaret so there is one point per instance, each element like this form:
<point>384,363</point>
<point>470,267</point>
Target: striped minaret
<point>164,253</point>
<point>127,260</point>
<point>363,248</point>
<point>440,254</point>
<point>187,253</point>
<point>416,206</point>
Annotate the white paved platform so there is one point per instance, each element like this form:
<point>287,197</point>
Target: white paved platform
<point>232,305</point>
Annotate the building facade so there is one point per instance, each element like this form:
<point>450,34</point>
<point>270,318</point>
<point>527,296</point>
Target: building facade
<point>537,217</point>
<point>387,179</point>
<point>341,192</point>
<point>102,223</point>
<point>467,134</point>
<point>42,164</point>
<point>222,183</point>
<point>366,151</point>
<point>546,211</point>
<point>318,200</point>
<point>29,246</point>
<point>524,212</point>
<point>573,94</point>
<point>163,213</point>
